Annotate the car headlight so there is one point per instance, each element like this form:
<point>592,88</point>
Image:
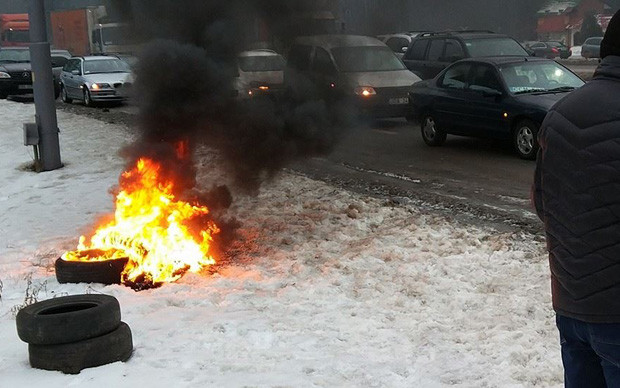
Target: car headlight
<point>98,86</point>
<point>365,91</point>
<point>4,75</point>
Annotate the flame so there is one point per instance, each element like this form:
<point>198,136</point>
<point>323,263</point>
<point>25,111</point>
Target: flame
<point>153,229</point>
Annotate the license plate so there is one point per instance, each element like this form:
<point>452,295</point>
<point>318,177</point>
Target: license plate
<point>27,87</point>
<point>399,101</point>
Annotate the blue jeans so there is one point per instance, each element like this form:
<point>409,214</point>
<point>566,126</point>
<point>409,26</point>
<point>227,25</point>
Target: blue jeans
<point>590,353</point>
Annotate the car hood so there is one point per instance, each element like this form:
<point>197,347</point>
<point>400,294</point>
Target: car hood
<point>24,66</point>
<point>109,78</point>
<point>544,101</point>
<point>381,79</point>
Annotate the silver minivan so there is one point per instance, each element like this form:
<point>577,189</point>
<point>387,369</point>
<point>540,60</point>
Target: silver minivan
<point>359,69</point>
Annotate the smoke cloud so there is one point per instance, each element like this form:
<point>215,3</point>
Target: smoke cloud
<point>185,92</point>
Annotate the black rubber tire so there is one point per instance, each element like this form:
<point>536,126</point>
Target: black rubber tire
<point>87,98</point>
<point>104,272</point>
<point>68,319</point>
<point>438,136</point>
<point>72,358</point>
<point>65,97</point>
<point>525,139</point>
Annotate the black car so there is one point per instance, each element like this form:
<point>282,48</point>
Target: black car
<point>16,71</point>
<point>431,52</point>
<point>495,97</point>
<point>550,49</point>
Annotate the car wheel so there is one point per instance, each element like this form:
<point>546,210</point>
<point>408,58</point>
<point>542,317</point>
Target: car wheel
<point>431,134</point>
<point>87,99</point>
<point>64,96</point>
<point>525,139</point>
<point>68,319</point>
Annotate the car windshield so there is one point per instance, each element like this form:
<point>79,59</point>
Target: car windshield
<point>532,77</point>
<point>14,56</point>
<point>490,47</point>
<point>106,66</point>
<point>366,59</point>
<point>261,63</point>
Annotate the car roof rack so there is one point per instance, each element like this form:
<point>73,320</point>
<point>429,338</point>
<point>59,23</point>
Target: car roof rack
<point>455,32</point>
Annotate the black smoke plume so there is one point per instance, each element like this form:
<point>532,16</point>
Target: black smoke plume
<point>184,88</point>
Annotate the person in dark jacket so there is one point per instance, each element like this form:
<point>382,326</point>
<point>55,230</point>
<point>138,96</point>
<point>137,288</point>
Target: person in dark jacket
<point>576,194</point>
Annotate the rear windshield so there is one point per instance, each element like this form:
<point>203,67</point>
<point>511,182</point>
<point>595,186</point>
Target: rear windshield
<point>490,47</point>
<point>555,44</point>
<point>366,59</point>
<point>105,66</point>
<point>262,63</point>
<point>18,36</point>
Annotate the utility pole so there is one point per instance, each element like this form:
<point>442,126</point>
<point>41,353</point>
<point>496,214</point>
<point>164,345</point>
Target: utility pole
<point>43,83</point>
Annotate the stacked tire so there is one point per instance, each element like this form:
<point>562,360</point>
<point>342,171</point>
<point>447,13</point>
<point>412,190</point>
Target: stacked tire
<point>75,332</point>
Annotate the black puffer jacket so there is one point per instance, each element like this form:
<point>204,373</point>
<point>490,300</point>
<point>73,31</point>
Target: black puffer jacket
<point>576,193</point>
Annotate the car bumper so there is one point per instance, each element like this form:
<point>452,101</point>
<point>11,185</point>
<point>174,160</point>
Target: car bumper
<point>387,102</point>
<point>106,95</point>
<point>15,88</point>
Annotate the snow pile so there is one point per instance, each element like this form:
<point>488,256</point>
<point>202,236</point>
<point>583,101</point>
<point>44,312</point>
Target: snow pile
<point>325,287</point>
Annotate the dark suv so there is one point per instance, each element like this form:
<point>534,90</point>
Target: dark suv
<point>431,52</point>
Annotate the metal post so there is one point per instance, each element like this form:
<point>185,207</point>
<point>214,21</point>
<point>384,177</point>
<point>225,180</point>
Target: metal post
<point>43,83</point>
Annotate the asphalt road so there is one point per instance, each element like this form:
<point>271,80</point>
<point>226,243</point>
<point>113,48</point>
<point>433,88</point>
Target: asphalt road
<point>472,177</point>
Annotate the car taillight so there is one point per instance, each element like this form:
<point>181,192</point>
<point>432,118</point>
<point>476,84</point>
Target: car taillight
<point>555,50</point>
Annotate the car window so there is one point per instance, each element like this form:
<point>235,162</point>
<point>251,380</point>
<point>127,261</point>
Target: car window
<point>261,63</point>
<point>533,76</point>
<point>418,50</point>
<point>299,57</point>
<point>538,45</point>
<point>489,47</point>
<point>106,66</point>
<point>436,50</point>
<point>366,59</point>
<point>396,44</point>
<point>322,62</point>
<point>59,61</point>
<point>593,41</point>
<point>72,64</point>
<point>454,51</point>
<point>485,78</point>
<point>456,76</point>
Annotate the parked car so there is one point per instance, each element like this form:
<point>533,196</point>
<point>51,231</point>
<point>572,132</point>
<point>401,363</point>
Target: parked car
<point>359,69</point>
<point>16,70</point>
<point>496,97</point>
<point>95,78</point>
<point>431,52</point>
<point>261,73</point>
<point>591,48</point>
<point>399,43</point>
<point>550,49</point>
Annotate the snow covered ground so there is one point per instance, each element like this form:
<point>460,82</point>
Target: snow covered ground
<point>328,288</point>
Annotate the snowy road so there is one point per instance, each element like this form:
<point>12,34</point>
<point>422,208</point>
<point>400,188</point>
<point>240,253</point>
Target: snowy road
<point>325,287</point>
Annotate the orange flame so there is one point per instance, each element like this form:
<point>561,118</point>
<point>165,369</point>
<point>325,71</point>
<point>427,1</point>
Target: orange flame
<point>152,228</point>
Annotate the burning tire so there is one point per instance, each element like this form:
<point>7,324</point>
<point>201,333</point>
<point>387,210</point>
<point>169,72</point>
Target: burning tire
<point>68,319</point>
<point>104,272</point>
<point>71,358</point>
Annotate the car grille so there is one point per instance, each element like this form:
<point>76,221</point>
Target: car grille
<point>21,75</point>
<point>120,85</point>
<point>394,92</point>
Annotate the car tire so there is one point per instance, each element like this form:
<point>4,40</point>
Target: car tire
<point>103,272</point>
<point>87,98</point>
<point>71,358</point>
<point>64,96</point>
<point>431,134</point>
<point>68,319</point>
<point>525,139</point>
